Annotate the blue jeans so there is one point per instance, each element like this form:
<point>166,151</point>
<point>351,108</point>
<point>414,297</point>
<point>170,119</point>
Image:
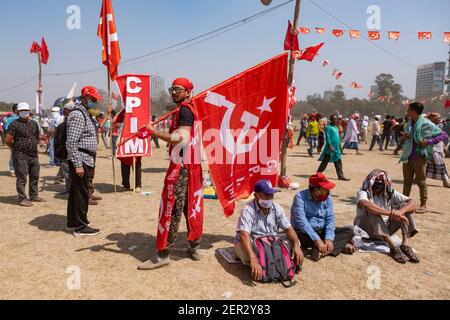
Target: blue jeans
<point>313,142</point>
<point>11,164</point>
<point>51,153</point>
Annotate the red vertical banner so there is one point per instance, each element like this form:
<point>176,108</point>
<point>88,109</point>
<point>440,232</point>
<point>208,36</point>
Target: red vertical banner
<point>135,91</point>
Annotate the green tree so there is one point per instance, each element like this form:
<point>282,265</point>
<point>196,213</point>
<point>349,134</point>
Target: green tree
<point>386,87</point>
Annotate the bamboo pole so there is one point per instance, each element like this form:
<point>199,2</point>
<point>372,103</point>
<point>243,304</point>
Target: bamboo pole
<point>285,142</point>
<point>110,131</point>
<point>134,176</point>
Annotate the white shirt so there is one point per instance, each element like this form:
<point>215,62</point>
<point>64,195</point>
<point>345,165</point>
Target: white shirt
<point>376,130</point>
<point>396,202</point>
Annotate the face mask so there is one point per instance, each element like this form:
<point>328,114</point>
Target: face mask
<point>378,186</point>
<point>323,198</point>
<point>266,204</point>
<point>24,114</point>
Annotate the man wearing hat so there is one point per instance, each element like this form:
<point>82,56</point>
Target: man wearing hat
<point>55,121</point>
<point>81,153</point>
<point>262,217</point>
<point>312,217</point>
<point>183,183</point>
<point>23,138</point>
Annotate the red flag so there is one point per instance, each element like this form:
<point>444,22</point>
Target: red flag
<point>291,40</point>
<point>339,75</point>
<point>44,52</point>
<point>325,63</point>
<point>304,30</point>
<point>394,35</point>
<point>374,35</point>
<point>243,120</point>
<point>338,32</point>
<point>447,37</point>
<point>35,47</point>
<point>354,34</point>
<point>447,103</point>
<point>311,52</point>
<point>320,30</point>
<point>355,85</point>
<point>425,35</point>
<point>110,42</point>
<point>135,91</point>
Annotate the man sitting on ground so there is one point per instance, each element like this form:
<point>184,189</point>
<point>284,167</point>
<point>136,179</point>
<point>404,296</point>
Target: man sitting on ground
<point>312,216</point>
<point>263,217</point>
<point>378,198</point>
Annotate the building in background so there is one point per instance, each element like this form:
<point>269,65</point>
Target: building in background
<point>327,95</point>
<point>315,96</point>
<point>430,80</point>
<point>156,87</point>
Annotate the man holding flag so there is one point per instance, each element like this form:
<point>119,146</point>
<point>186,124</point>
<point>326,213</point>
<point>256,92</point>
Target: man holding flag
<point>183,180</point>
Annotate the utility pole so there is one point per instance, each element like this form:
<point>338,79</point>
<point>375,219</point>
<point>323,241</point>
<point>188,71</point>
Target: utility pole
<point>285,142</point>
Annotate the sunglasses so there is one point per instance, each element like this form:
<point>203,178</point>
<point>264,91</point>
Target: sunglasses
<point>176,90</point>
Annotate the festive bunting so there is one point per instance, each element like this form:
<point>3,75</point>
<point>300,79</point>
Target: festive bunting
<point>355,85</point>
<point>339,75</point>
<point>311,52</point>
<point>325,63</point>
<point>320,30</point>
<point>354,34</point>
<point>374,35</point>
<point>291,39</point>
<point>304,30</point>
<point>424,35</point>
<point>394,35</point>
<point>338,32</point>
<point>447,37</point>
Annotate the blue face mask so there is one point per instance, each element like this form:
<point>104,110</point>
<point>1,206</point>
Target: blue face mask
<point>92,105</point>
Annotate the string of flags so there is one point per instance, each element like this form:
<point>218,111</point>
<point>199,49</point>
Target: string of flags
<point>371,34</point>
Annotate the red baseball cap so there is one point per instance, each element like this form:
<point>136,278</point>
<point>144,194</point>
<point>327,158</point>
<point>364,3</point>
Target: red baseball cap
<point>92,92</point>
<point>321,180</point>
<point>184,82</point>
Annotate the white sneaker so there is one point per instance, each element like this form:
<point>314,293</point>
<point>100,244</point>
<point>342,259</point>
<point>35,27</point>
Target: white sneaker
<point>154,263</point>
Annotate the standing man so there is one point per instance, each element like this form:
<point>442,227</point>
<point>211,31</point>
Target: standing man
<point>312,133</point>
<point>81,149</point>
<point>55,121</point>
<point>387,132</point>
<point>183,179</point>
<point>352,133</point>
<point>6,125</point>
<point>303,125</point>
<point>332,150</point>
<point>420,137</point>
<point>376,132</point>
<point>23,138</point>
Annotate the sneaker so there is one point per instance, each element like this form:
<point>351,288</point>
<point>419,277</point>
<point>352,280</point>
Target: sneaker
<point>154,263</point>
<point>96,198</point>
<point>73,229</point>
<point>86,231</point>
<point>195,255</point>
<point>25,203</point>
<point>92,202</point>
<point>38,199</point>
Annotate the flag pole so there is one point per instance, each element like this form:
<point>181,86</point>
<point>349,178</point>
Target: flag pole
<point>285,142</point>
<point>110,130</point>
<point>39,91</point>
<point>134,176</point>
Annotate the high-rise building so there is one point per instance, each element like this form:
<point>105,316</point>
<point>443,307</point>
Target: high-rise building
<point>328,95</point>
<point>156,87</point>
<point>430,80</point>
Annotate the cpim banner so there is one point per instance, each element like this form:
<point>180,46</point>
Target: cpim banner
<point>135,91</point>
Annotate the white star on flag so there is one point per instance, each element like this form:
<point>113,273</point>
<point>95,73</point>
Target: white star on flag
<point>266,105</point>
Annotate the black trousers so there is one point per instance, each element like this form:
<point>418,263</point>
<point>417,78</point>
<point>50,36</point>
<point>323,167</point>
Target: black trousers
<point>321,141</point>
<point>385,137</point>
<point>24,168</point>
<point>337,165</point>
<point>376,139</point>
<point>78,204</point>
<point>126,169</point>
<point>342,237</point>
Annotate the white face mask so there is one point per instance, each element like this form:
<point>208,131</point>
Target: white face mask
<point>24,114</point>
<point>266,204</point>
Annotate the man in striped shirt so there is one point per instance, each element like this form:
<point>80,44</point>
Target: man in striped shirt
<point>81,149</point>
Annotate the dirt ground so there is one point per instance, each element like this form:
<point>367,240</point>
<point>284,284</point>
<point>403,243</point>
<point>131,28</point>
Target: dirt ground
<point>38,257</point>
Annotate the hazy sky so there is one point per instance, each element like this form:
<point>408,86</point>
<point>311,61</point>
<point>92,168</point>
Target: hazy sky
<point>148,25</point>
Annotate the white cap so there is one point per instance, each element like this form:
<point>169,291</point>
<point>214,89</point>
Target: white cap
<point>56,109</point>
<point>377,116</point>
<point>23,106</point>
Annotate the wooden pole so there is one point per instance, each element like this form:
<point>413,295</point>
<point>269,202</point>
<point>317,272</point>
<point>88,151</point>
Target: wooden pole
<point>110,132</point>
<point>285,143</point>
<point>134,176</point>
<point>39,91</point>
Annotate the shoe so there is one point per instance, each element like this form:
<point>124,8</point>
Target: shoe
<point>344,178</point>
<point>12,174</point>
<point>25,203</point>
<point>86,231</point>
<point>315,255</point>
<point>446,184</point>
<point>38,199</point>
<point>96,198</point>
<point>397,254</point>
<point>154,263</point>
<point>421,210</point>
<point>92,202</point>
<point>193,252</point>
<point>57,181</point>
<point>138,190</point>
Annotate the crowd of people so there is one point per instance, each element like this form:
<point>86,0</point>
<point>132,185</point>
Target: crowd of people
<point>76,128</point>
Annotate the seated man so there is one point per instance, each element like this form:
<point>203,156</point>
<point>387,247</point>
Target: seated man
<point>262,217</point>
<point>377,198</point>
<point>312,217</point>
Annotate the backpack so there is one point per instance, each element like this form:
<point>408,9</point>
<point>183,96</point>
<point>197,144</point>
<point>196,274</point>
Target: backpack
<point>274,256</point>
<point>60,139</point>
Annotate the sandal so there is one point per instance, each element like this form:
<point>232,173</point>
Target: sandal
<point>397,254</point>
<point>422,210</point>
<point>408,251</point>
